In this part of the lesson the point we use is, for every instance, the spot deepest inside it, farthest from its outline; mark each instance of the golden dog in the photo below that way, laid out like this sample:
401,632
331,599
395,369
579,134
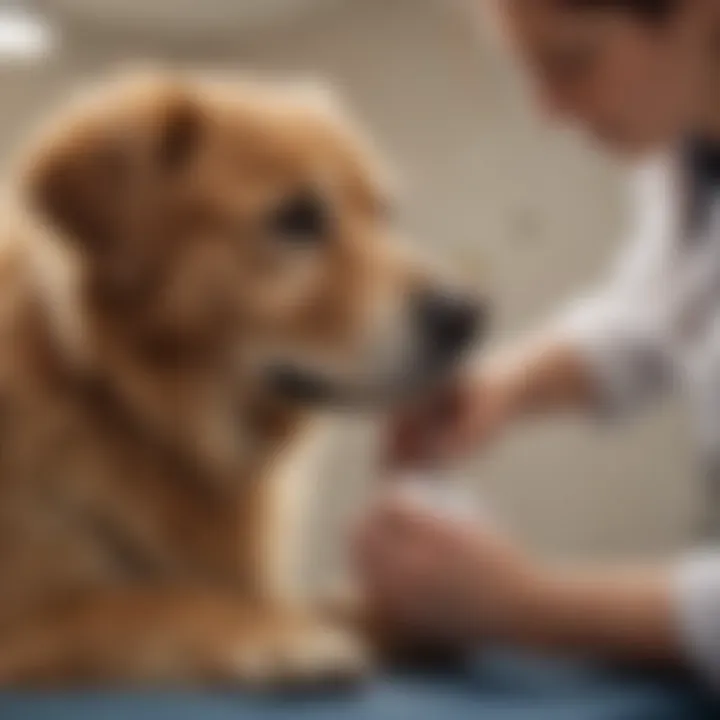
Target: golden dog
188,265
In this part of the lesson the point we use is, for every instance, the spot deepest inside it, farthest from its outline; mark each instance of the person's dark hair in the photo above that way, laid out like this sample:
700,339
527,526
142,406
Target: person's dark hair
650,10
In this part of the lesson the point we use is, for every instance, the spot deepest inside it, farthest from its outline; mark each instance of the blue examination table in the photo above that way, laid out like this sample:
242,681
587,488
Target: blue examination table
498,686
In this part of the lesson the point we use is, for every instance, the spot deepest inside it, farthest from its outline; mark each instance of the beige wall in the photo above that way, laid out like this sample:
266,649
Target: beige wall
492,191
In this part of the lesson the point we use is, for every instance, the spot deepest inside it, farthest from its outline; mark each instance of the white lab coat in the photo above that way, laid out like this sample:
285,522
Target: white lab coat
653,326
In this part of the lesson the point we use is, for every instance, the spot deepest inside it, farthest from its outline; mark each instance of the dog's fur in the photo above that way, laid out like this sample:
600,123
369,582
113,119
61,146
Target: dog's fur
142,298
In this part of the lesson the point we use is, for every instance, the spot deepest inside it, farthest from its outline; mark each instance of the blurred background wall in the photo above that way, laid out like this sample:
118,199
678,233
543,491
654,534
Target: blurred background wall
529,211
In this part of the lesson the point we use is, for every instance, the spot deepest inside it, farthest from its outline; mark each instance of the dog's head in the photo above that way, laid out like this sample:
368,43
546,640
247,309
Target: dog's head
245,225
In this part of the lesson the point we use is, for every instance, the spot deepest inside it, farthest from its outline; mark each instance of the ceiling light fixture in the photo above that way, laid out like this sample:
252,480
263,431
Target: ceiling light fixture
25,35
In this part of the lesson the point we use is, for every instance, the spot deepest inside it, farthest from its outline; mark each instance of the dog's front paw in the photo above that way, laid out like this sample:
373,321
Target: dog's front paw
291,654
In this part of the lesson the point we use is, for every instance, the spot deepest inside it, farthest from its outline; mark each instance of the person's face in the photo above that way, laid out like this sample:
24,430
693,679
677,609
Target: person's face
632,84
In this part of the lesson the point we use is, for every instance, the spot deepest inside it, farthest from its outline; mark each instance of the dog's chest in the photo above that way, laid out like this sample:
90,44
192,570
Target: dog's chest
86,503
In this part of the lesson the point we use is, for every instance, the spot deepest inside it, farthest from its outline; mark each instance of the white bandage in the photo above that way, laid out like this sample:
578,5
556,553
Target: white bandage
443,496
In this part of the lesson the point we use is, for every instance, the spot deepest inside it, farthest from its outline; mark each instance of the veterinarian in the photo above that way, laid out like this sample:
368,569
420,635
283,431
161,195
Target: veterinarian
642,78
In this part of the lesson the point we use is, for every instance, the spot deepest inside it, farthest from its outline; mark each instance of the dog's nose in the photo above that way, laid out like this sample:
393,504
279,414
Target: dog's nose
450,322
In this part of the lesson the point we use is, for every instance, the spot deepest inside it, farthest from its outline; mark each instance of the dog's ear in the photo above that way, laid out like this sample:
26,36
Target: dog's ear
181,126
77,182
88,179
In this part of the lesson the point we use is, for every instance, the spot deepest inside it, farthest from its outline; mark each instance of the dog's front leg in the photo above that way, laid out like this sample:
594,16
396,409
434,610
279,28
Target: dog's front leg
278,510
172,636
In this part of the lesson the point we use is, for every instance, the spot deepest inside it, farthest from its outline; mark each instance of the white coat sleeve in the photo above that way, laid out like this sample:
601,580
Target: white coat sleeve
615,328
697,600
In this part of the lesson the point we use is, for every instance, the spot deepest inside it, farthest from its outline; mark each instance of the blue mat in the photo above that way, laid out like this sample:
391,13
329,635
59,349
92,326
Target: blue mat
501,687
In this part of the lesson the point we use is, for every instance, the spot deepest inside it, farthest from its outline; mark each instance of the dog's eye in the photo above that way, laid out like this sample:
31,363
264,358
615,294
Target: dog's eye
303,218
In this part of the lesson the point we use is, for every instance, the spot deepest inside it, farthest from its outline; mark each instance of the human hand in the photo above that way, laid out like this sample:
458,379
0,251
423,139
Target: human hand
442,579
455,583
453,421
